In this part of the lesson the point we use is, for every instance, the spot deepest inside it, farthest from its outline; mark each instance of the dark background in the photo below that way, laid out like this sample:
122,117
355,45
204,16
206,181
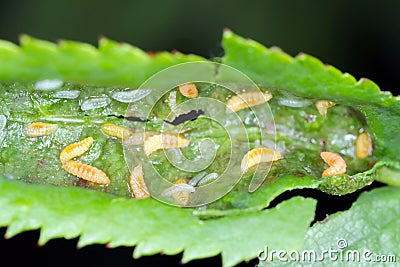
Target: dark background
359,37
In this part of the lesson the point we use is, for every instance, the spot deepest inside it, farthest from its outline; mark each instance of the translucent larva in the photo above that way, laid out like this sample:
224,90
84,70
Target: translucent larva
164,141
323,105
294,103
209,177
336,163
136,138
257,156
37,129
130,96
94,103
86,172
245,100
137,184
47,85
195,180
189,90
116,131
76,149
67,94
178,187
180,192
363,145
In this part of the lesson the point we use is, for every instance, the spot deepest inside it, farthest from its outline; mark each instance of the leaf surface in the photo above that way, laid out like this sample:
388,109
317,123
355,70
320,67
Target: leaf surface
153,227
233,224
368,230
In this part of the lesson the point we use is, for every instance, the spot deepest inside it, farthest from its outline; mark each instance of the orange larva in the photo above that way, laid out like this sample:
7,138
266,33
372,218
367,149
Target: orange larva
363,145
189,90
115,130
86,172
137,184
257,156
164,141
245,100
181,197
336,163
76,149
323,105
37,129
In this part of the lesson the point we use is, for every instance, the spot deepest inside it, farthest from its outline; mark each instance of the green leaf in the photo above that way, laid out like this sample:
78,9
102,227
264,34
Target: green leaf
111,64
306,76
99,218
370,225
150,225
303,75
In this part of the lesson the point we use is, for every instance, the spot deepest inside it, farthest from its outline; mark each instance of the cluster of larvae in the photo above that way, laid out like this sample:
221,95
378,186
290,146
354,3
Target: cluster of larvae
154,142
336,163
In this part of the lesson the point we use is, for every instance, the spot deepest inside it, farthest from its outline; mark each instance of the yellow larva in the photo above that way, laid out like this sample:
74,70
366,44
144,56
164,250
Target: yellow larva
363,145
37,129
257,156
76,149
136,138
115,130
164,141
245,100
323,105
181,197
86,172
336,163
137,184
189,90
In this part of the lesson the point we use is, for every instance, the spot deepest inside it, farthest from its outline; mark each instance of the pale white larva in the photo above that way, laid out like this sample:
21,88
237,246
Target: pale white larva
67,94
209,177
178,188
48,85
94,103
130,96
195,180
180,192
294,103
